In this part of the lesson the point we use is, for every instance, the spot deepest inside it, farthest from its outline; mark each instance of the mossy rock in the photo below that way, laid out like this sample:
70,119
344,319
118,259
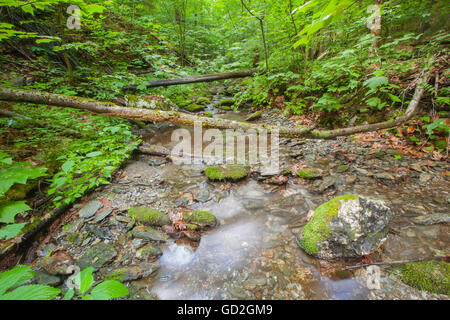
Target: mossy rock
225,102
254,116
347,226
195,108
183,103
431,276
148,216
203,101
200,218
208,114
149,252
318,228
310,173
226,173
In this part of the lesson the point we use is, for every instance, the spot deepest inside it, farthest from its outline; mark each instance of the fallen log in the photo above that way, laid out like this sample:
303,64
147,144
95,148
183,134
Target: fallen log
179,118
195,79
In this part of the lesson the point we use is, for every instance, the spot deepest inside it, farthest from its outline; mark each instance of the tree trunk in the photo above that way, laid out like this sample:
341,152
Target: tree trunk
196,79
179,118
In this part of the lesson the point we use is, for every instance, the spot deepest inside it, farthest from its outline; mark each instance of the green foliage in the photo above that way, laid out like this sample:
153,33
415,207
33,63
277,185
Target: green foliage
12,286
105,290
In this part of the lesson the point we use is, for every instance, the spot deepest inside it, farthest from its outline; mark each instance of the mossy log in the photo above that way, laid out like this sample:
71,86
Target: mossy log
179,118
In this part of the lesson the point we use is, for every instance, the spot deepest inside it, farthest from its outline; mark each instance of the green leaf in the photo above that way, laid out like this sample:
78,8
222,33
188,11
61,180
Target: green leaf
69,294
32,292
86,280
18,174
108,290
12,230
15,277
94,154
374,82
10,210
68,165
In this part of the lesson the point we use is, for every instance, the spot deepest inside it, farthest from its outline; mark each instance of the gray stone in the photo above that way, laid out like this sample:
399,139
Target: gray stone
149,234
97,256
357,227
42,277
431,219
90,209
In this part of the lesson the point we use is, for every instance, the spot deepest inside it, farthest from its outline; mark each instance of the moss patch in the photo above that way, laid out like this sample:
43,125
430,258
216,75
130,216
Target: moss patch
431,276
310,173
228,172
195,108
203,101
148,216
202,218
318,228
225,102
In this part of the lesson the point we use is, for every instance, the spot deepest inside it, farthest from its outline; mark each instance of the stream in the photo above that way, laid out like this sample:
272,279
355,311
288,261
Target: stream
253,252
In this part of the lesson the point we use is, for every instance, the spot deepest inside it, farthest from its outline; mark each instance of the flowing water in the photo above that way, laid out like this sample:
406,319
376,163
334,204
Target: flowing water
253,253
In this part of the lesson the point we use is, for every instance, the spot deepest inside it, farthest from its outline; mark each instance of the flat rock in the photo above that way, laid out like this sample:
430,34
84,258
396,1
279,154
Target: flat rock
90,209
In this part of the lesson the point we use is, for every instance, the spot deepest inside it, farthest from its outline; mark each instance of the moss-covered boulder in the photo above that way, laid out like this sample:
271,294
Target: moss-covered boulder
152,103
310,173
200,218
148,216
203,101
431,276
195,108
225,102
346,226
226,173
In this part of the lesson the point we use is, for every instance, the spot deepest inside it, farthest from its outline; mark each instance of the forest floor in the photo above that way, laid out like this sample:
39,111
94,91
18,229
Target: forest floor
253,253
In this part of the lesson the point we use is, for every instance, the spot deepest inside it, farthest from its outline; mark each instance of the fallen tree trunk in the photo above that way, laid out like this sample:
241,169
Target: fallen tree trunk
196,79
179,118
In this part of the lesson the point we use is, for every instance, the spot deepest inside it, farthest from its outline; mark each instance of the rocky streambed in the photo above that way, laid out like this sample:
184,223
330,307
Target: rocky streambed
246,247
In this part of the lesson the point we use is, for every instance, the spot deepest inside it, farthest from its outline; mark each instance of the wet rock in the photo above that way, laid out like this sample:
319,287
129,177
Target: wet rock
148,252
432,219
134,272
97,256
90,209
140,291
225,102
254,116
57,263
193,236
226,173
201,218
431,276
157,162
346,226
42,277
146,233
203,196
310,173
148,216
321,186
102,215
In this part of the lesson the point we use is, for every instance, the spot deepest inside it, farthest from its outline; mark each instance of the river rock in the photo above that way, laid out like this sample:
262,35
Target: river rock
90,209
145,233
134,272
97,256
432,219
148,216
57,263
346,226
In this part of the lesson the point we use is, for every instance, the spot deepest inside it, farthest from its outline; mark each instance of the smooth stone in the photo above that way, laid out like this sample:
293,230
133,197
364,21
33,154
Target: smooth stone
90,209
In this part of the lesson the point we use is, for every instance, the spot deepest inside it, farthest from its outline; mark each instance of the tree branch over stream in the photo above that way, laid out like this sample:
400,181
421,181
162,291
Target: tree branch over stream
180,118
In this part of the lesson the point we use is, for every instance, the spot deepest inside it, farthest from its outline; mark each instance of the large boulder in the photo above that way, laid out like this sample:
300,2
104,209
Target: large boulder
346,226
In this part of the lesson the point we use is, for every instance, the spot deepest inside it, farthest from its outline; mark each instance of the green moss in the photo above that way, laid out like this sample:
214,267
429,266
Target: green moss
432,276
203,101
208,114
73,237
318,228
192,227
225,102
148,216
254,116
119,275
224,173
202,218
311,173
195,108
342,168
